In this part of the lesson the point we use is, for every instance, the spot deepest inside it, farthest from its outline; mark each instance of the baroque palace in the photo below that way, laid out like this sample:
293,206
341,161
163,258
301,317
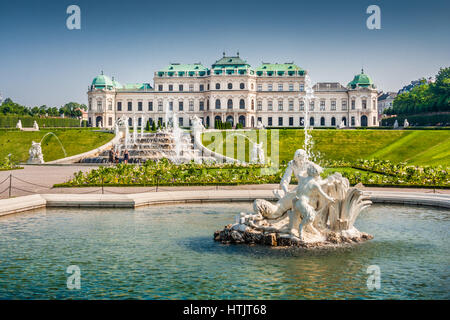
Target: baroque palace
231,90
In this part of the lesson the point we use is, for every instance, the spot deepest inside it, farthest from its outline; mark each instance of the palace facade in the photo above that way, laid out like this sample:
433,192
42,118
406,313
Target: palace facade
231,90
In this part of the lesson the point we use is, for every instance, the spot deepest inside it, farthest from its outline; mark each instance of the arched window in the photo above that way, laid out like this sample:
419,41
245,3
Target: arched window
217,103
217,86
322,121
242,104
333,121
344,119
311,121
207,121
230,86
242,120
364,121
230,120
242,85
230,104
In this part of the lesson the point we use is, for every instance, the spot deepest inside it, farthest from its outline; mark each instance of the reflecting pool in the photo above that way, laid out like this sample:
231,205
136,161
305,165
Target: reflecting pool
168,252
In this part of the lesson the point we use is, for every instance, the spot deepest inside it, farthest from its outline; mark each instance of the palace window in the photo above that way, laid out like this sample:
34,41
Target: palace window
217,86
311,121
139,105
252,86
374,121
180,106
322,121
280,87
150,106
269,121
202,87
119,106
353,104
302,105
259,87
344,105
291,87
217,103
90,105
230,86
291,121
201,105
269,105
160,105
230,104
259,105
280,105
291,105
171,105
180,121
207,105
311,105
301,121
364,104
109,121
160,87
242,86
280,121
322,105
302,87
99,105
130,106
191,105
333,105
191,87
269,87
374,105
259,119
180,87
109,104
253,104
333,121
170,87
353,121
242,104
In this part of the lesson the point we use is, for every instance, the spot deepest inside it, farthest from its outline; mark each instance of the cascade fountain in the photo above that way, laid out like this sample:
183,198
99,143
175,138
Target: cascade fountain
170,142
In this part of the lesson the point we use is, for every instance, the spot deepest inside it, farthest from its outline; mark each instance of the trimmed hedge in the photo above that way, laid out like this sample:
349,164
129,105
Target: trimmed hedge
439,119
27,122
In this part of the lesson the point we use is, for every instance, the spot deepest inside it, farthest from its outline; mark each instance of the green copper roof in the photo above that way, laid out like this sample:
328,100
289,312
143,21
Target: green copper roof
176,67
278,67
102,81
361,80
232,62
136,86
116,84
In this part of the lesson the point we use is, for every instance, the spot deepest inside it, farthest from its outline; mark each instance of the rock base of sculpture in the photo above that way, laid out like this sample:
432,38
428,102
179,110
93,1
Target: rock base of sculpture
238,234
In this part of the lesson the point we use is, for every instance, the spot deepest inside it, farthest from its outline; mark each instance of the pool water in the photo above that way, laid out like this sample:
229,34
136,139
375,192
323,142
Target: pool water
168,252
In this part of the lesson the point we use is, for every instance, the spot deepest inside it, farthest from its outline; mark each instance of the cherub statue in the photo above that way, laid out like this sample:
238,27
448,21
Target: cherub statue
307,191
35,153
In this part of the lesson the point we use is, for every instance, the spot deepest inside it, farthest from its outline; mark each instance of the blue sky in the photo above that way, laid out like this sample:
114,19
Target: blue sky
42,62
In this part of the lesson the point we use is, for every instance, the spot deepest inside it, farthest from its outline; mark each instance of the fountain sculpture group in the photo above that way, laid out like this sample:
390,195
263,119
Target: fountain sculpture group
317,212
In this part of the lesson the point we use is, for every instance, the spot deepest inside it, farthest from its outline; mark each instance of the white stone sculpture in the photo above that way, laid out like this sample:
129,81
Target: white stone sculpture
35,126
342,125
405,123
19,124
395,124
318,212
259,125
257,155
197,125
36,156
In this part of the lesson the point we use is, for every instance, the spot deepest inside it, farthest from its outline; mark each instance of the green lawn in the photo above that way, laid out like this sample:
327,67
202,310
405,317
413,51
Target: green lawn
75,141
420,147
